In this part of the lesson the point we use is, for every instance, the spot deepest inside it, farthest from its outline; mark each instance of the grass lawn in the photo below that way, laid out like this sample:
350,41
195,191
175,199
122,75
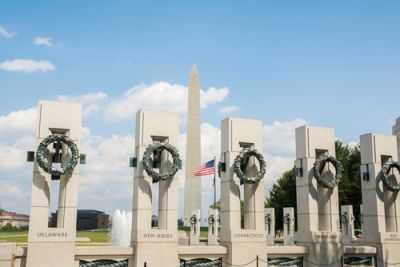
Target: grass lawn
14,237
95,237
203,230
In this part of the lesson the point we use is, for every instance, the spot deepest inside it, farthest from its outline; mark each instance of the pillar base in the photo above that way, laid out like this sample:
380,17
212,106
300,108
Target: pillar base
324,248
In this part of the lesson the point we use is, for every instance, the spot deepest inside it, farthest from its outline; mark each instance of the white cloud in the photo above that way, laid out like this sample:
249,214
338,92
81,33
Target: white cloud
91,102
161,96
6,33
212,96
43,41
12,157
27,65
11,191
107,159
229,109
279,137
17,123
210,142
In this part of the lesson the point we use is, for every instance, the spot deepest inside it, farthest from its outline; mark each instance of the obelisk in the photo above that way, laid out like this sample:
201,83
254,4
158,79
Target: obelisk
193,150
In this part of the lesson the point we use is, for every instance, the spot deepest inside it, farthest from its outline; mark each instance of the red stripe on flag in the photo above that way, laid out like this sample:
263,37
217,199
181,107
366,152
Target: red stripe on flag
205,169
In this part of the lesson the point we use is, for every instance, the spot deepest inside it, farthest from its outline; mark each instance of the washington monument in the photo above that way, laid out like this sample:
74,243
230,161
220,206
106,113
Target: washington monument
193,150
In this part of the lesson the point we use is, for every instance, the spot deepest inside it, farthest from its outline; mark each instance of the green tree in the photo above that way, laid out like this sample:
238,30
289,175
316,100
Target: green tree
282,194
350,184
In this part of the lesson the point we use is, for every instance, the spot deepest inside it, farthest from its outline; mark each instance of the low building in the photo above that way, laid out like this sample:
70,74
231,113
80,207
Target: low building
87,220
14,219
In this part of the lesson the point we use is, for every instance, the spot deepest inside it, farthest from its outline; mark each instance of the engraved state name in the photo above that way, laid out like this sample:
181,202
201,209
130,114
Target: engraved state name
248,235
392,237
51,234
157,235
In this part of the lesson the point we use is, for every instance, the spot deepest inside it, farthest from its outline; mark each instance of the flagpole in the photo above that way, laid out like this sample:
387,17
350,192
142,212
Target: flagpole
215,190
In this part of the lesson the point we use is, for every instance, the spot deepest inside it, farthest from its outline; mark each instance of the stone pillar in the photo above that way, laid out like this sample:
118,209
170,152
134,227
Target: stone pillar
362,218
396,132
269,220
288,226
152,127
7,254
347,223
380,206
195,221
244,244
317,207
213,224
48,247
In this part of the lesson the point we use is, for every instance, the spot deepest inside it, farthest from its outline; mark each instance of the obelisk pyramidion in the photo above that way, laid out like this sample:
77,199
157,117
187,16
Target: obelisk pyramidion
193,150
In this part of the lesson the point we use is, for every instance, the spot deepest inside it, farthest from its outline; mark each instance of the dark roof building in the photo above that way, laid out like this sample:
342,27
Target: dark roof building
87,220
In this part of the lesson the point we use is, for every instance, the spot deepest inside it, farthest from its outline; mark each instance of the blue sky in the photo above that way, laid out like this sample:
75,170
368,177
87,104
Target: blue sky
328,63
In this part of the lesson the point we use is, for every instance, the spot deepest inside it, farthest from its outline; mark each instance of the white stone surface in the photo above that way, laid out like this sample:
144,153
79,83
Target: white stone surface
380,206
244,244
54,244
213,228
194,237
317,207
288,228
269,214
153,126
347,223
193,147
396,132
7,254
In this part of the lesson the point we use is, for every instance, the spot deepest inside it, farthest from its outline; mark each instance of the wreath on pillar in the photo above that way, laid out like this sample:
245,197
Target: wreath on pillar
240,164
267,219
319,166
193,220
157,148
43,162
211,220
344,218
385,175
286,219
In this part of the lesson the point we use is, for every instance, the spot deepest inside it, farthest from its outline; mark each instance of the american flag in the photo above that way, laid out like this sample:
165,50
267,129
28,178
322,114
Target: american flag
205,169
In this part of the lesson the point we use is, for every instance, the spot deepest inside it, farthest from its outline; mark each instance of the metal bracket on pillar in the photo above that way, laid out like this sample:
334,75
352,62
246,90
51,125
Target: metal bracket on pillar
298,172
82,159
133,162
221,167
30,156
180,164
365,175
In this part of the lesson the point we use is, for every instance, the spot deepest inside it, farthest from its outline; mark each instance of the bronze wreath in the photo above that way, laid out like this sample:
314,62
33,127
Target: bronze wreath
267,219
385,175
344,218
193,220
211,220
242,159
286,219
148,166
42,159
319,166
